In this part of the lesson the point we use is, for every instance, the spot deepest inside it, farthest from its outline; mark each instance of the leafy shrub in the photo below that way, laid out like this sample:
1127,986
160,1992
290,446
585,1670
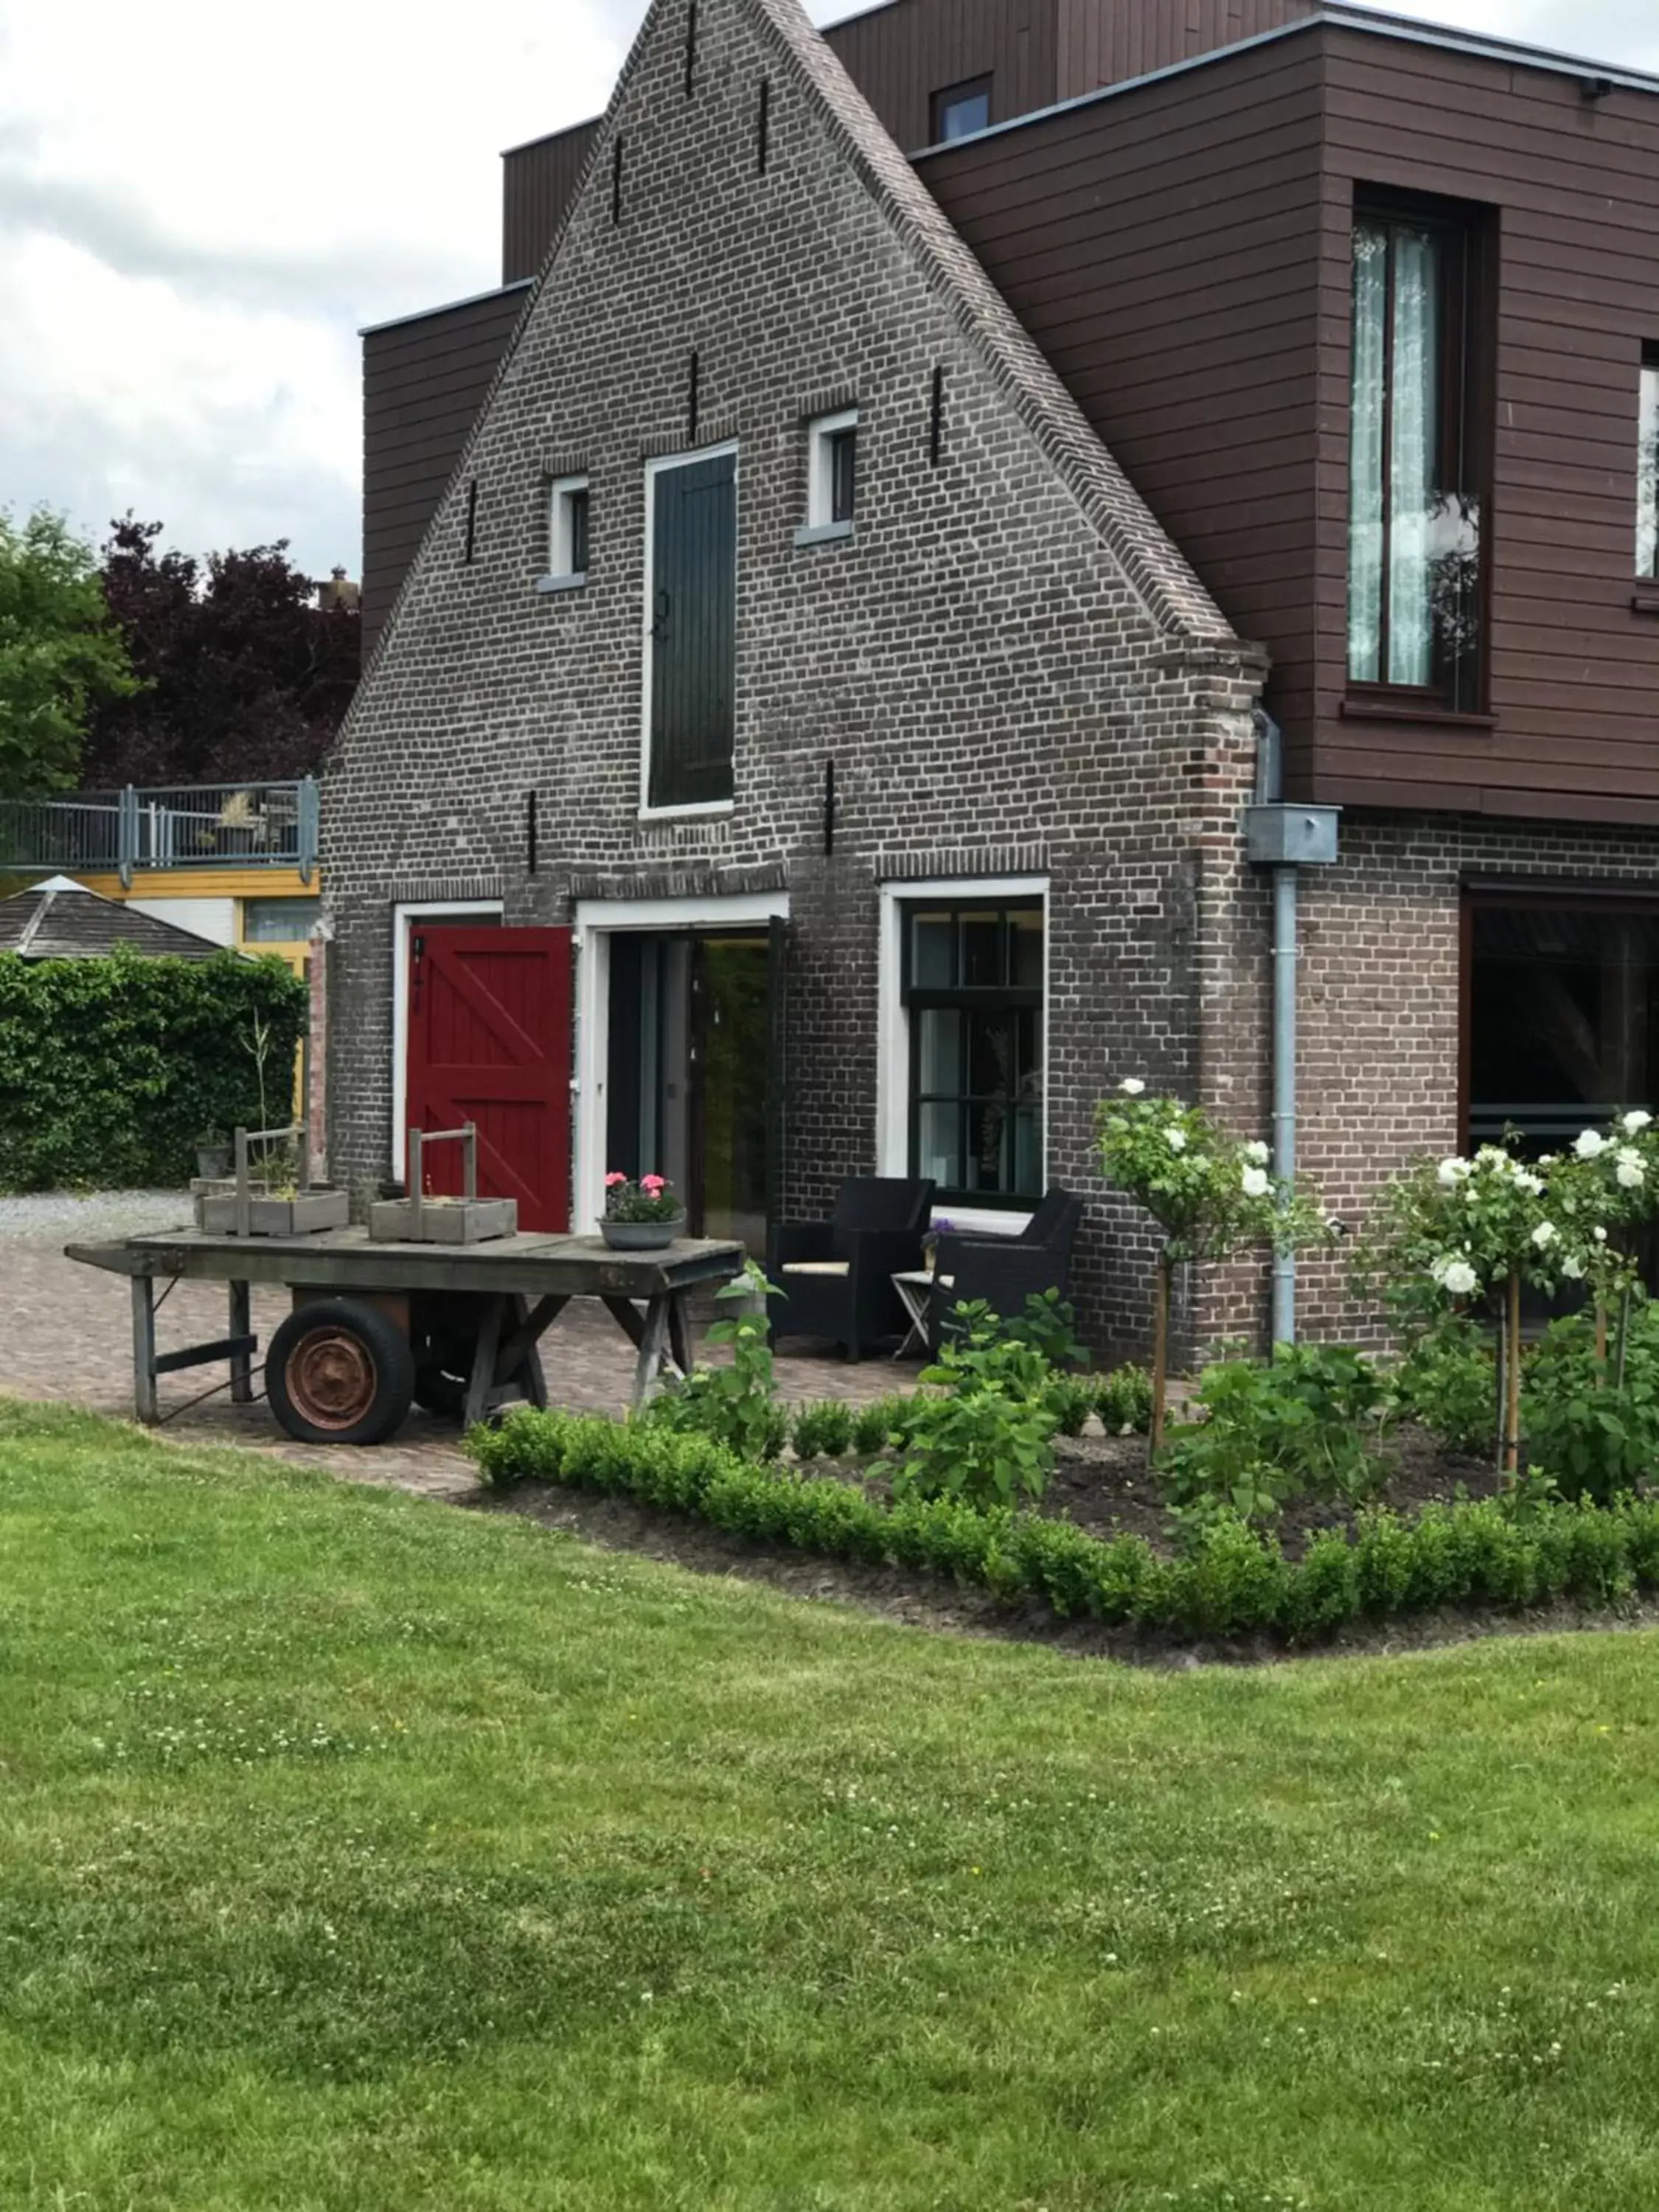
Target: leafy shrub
823,1431
1297,1426
883,1423
1123,1400
1049,1326
1072,1402
736,1405
986,1436
1448,1380
110,1067
1596,1434
1232,1581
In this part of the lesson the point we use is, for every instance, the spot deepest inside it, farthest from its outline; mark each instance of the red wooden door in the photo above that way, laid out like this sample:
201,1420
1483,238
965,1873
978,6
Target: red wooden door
489,1035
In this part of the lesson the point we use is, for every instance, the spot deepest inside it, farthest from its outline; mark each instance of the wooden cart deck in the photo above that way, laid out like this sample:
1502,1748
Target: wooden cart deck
513,1287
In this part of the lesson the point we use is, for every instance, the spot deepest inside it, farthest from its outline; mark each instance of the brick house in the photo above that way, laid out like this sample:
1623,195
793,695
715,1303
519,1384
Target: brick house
848,600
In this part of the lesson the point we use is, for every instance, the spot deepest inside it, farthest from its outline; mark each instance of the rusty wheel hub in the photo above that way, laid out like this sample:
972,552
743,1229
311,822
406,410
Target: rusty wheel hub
331,1378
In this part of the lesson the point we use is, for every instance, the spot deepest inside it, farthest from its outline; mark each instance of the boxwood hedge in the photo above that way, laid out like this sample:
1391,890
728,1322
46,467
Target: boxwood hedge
1235,1582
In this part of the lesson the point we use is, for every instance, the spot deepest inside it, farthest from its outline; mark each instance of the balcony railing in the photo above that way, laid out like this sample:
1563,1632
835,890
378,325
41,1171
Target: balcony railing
204,825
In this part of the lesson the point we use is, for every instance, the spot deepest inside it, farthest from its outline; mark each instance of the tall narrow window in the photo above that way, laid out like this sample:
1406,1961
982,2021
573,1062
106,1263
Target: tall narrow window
691,644
1647,467
962,109
1415,617
973,992
832,448
566,530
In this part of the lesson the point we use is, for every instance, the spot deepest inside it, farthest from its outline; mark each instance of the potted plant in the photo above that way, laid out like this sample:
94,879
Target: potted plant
643,1215
213,1156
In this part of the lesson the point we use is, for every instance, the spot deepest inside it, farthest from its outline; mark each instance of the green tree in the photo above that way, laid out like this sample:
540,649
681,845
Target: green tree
60,656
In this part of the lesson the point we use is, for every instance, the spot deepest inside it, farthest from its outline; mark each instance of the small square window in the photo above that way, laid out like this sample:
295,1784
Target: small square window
567,530
832,449
962,109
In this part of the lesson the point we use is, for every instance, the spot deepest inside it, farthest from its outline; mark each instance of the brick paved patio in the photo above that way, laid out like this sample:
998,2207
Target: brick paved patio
65,1335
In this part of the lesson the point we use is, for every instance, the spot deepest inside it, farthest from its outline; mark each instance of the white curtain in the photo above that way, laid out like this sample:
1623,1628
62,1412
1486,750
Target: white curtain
1371,297
1414,414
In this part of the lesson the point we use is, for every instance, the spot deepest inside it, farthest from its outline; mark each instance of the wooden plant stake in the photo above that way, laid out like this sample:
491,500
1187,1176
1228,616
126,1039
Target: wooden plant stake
1512,1375
1160,1356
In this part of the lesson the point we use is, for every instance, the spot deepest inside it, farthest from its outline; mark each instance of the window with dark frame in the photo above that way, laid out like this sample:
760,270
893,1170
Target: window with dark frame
844,459
1647,467
972,988
691,631
578,526
961,109
1416,610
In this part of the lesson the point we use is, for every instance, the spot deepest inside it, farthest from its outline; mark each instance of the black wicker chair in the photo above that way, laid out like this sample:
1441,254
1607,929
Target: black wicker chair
837,1276
1005,1271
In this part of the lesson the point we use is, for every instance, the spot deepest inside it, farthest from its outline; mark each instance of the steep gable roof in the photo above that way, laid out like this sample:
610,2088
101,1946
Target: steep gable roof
1174,600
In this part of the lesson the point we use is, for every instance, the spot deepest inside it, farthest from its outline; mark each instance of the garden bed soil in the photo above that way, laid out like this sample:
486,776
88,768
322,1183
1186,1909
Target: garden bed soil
1101,1484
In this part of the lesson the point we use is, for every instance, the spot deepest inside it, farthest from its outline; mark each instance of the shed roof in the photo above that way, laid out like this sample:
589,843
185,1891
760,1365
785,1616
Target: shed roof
62,919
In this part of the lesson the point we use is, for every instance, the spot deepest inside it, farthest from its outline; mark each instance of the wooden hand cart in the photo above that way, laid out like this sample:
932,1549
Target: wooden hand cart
376,1327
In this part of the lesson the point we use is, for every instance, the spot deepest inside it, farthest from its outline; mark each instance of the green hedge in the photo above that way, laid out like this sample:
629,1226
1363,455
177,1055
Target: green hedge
110,1069
1235,1582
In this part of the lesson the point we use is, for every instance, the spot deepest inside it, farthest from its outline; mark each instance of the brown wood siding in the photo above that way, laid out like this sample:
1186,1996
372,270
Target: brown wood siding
424,382
900,56
1574,667
1110,41
538,184
1162,247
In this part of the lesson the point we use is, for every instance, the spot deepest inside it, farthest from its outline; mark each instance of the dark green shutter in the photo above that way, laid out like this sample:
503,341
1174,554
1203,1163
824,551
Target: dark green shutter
694,632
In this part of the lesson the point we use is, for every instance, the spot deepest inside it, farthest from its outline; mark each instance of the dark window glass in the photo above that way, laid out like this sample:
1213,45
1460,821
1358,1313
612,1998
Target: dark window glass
1415,617
693,641
1563,1016
578,533
843,474
973,987
962,109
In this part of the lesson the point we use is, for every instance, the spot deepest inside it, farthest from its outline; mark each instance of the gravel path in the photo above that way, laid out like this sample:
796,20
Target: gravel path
63,1217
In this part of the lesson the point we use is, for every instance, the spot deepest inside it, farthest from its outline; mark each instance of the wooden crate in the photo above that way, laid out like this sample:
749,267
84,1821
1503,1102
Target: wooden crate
442,1220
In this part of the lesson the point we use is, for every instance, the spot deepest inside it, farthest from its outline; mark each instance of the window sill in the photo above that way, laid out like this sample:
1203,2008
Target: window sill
684,813
1644,599
1389,710
824,533
550,584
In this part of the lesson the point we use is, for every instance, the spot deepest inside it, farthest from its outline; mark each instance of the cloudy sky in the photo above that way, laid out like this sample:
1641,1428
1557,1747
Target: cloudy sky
201,203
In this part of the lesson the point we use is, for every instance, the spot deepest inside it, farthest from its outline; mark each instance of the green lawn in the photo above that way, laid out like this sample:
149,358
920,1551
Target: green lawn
360,1853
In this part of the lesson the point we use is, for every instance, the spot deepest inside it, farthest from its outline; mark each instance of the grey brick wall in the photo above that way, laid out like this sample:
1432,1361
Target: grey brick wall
1007,655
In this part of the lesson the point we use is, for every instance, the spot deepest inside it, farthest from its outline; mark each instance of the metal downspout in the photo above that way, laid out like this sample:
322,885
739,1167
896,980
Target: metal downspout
1285,958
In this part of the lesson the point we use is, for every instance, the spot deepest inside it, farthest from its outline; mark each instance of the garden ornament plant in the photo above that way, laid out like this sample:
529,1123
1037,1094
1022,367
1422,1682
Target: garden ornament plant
652,1198
736,1404
1211,1194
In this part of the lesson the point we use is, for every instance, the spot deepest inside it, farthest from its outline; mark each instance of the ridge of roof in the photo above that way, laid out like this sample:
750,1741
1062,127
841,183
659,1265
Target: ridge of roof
1167,585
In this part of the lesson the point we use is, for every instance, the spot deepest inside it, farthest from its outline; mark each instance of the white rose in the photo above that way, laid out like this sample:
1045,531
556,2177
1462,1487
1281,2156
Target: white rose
1451,1171
1177,1140
1636,1121
1545,1234
1547,1160
1459,1278
1572,1266
1590,1142
1600,1234
1256,1154
1132,1086
1255,1182
1531,1184
1628,1174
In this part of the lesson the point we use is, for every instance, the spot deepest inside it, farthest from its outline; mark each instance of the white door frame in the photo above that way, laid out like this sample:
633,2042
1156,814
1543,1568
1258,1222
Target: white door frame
597,921
440,911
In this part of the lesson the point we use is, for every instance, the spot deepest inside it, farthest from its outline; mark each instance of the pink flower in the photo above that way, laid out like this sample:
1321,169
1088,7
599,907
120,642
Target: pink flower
615,1177
652,1183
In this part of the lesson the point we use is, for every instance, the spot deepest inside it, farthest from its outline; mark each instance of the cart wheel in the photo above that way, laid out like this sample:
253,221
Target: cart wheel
339,1372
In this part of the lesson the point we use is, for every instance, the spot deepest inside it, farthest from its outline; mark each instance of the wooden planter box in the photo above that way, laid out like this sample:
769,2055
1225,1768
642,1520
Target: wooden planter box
306,1215
443,1220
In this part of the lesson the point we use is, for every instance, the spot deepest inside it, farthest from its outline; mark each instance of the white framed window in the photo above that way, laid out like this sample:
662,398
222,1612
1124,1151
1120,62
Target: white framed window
962,1067
832,477
566,533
